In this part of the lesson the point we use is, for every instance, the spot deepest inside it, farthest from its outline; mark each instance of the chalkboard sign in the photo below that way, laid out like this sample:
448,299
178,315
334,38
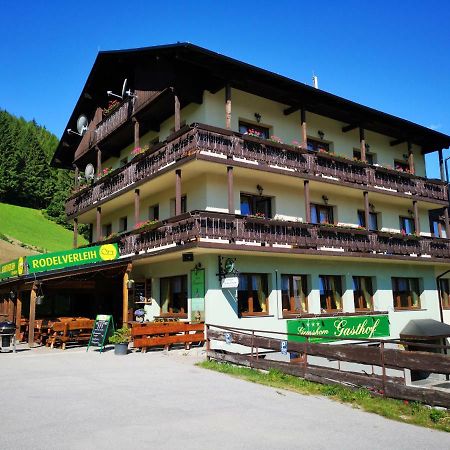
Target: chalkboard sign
142,291
103,327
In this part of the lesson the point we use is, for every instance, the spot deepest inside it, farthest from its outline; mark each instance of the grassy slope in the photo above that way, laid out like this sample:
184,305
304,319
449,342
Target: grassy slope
32,228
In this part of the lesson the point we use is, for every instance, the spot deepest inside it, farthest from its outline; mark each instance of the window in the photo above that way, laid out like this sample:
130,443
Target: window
107,230
370,157
172,205
438,228
123,224
153,212
444,285
373,220
401,165
254,130
252,205
253,294
293,294
174,295
406,293
407,225
123,161
316,145
321,214
363,293
330,293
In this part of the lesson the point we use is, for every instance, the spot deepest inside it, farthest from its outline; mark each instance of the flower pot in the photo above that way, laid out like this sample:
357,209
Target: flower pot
121,349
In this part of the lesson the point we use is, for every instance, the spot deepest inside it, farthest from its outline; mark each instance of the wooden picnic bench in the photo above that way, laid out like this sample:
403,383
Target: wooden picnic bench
164,334
76,331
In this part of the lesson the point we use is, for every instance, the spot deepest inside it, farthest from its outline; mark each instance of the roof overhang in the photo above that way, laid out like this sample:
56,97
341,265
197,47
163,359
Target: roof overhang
425,329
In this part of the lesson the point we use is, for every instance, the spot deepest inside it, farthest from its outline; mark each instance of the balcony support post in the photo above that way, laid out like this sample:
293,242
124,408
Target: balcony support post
410,159
136,132
367,210
416,217
303,125
75,232
441,165
126,277
230,190
99,161
137,205
32,315
178,192
77,174
99,224
228,106
177,113
447,224
307,202
362,140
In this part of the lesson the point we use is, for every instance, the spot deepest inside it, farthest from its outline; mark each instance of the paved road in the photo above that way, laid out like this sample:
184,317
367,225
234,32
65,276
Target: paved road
78,400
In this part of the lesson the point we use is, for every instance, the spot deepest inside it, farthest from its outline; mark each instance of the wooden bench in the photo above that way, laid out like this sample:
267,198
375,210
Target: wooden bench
73,331
164,334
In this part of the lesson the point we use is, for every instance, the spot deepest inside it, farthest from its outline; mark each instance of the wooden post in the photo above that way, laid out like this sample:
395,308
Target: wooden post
366,210
137,206
18,313
136,133
32,316
178,192
77,174
177,113
99,224
99,161
362,140
126,277
303,125
307,202
416,217
75,232
410,159
228,106
447,224
230,190
10,310
441,165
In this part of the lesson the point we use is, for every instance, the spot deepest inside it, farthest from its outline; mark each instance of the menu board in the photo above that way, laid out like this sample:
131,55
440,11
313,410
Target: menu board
142,291
103,327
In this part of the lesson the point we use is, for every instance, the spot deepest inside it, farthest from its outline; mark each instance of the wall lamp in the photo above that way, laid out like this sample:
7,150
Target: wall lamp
130,284
325,199
260,189
321,134
372,207
258,117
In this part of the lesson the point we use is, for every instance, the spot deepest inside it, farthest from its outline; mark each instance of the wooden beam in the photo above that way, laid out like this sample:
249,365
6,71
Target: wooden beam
99,161
32,316
228,106
177,113
99,224
290,110
76,174
230,186
75,232
349,127
411,159
136,133
126,277
447,224
366,210
137,204
307,202
397,142
178,192
441,165
304,130
362,140
416,217
18,313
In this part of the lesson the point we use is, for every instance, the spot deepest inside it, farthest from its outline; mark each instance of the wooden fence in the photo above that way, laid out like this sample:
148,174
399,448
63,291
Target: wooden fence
368,352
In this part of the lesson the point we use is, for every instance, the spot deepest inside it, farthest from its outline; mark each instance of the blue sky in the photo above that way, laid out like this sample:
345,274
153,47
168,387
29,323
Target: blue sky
393,56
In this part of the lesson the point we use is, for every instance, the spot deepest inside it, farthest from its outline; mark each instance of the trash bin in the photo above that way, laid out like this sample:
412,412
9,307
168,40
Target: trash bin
7,336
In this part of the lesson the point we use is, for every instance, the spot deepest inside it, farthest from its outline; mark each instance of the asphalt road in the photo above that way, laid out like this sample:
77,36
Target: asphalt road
78,400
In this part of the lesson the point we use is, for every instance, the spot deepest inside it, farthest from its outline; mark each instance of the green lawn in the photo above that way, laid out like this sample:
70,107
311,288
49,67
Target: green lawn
30,227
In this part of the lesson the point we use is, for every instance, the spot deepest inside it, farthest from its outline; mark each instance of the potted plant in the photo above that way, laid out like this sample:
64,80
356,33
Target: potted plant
121,338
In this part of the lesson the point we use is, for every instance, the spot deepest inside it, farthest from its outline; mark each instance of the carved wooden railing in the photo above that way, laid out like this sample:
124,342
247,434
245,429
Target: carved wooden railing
271,234
204,140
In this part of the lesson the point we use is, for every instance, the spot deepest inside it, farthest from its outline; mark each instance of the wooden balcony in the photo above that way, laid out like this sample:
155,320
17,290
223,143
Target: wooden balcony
235,232
224,146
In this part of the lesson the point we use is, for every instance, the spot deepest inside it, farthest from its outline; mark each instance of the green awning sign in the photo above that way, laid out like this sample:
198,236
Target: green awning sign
71,258
347,327
12,269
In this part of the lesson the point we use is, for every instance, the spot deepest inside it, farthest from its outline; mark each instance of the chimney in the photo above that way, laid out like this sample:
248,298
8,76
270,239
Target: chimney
315,81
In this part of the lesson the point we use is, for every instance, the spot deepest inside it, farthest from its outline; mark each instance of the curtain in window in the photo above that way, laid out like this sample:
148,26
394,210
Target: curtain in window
336,294
366,289
165,295
261,294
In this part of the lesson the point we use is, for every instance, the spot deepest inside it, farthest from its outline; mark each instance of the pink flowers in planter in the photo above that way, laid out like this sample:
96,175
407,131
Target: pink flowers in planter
105,171
145,223
137,151
276,139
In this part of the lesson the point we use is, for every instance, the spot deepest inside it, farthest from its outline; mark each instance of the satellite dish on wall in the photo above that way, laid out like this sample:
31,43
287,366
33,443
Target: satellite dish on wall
89,172
124,88
82,124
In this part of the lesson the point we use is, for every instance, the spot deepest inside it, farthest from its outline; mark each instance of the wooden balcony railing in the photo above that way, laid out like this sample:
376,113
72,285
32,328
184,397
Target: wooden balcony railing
243,231
205,141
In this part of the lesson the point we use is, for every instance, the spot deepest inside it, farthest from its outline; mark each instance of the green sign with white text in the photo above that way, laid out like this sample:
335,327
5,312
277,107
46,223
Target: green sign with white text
71,258
348,327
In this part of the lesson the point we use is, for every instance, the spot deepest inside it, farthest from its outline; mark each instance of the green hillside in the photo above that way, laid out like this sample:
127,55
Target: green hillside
30,227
